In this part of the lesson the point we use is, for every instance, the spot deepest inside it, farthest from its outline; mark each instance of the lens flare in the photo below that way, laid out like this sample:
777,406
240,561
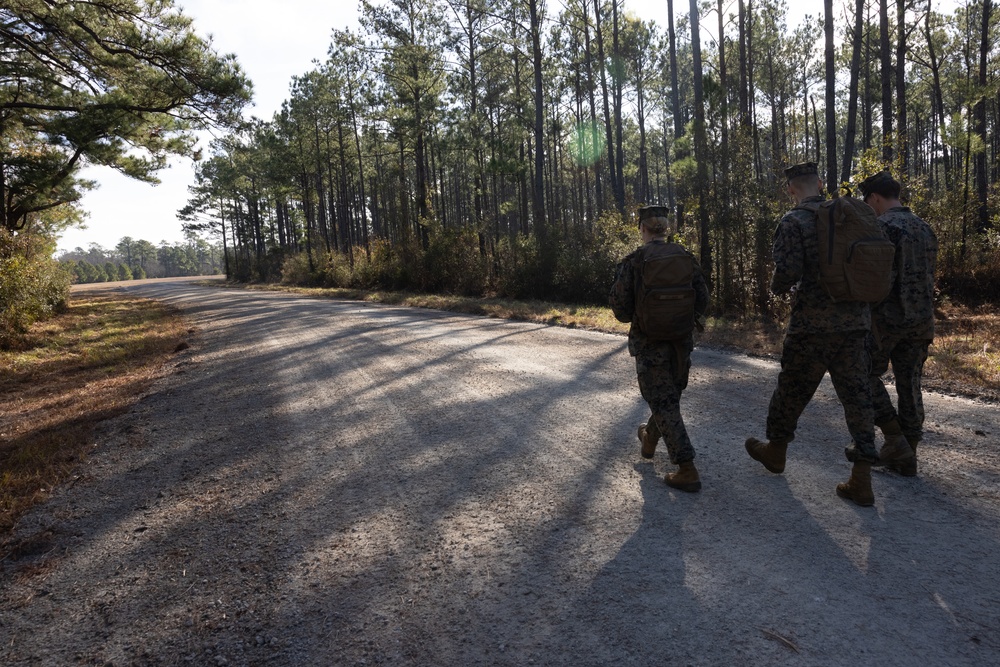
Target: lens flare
586,144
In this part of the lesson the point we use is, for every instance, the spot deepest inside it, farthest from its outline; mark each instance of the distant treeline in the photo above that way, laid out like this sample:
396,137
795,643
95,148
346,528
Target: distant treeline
133,259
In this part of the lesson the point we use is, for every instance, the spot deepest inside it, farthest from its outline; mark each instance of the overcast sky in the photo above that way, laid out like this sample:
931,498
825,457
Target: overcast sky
273,41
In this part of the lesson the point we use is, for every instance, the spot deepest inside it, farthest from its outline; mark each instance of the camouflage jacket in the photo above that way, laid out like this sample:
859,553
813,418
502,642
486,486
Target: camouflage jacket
796,270
622,300
909,309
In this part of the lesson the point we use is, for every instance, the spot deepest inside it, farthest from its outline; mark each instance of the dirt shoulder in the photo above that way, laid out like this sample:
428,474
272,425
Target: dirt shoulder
334,482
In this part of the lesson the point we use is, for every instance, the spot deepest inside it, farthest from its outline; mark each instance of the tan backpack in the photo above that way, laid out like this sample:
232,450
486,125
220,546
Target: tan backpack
665,295
855,257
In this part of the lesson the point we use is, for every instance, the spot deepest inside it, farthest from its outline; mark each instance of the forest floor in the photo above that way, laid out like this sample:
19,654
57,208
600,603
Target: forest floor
330,482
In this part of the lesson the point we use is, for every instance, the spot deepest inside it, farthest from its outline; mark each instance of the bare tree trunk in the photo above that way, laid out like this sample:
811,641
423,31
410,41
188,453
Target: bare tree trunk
598,185
744,93
617,88
831,112
901,124
852,97
675,99
867,112
700,147
643,163
607,110
884,50
538,205
979,114
724,82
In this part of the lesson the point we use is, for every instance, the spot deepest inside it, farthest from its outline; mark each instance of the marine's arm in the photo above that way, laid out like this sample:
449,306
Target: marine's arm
789,255
622,298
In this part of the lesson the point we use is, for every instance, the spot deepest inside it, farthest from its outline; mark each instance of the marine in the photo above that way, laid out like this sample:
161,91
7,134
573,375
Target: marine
662,366
902,324
822,336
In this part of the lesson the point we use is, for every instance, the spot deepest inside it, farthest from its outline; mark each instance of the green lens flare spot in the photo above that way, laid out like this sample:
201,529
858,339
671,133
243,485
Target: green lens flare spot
586,144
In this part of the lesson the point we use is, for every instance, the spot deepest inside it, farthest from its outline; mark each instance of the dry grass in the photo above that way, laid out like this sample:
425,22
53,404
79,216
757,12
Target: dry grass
965,355
84,366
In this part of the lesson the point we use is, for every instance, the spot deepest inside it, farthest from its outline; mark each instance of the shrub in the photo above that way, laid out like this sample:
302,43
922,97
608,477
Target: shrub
295,270
519,273
32,285
452,263
336,269
586,263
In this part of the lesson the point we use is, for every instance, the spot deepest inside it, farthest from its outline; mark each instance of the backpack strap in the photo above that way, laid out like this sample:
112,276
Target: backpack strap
814,208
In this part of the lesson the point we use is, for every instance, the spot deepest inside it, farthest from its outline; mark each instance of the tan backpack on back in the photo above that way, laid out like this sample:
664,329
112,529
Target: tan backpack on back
855,257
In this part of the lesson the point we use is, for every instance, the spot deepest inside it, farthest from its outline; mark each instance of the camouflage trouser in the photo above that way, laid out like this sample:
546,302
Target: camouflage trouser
663,375
907,357
805,358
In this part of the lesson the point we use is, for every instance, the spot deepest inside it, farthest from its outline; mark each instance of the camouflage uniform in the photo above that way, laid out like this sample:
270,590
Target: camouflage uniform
903,324
661,366
821,336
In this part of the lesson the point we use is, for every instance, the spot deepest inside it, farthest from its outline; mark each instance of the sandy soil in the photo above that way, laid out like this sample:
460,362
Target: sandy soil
340,483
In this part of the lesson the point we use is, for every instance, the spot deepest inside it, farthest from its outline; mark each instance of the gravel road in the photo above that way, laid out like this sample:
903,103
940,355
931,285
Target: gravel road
320,482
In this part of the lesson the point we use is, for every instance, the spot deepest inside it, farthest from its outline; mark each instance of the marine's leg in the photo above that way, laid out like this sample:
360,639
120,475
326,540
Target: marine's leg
895,453
803,364
659,388
849,372
801,372
880,350
908,366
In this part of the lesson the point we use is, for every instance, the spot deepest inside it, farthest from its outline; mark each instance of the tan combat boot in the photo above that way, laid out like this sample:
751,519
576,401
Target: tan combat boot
859,487
648,443
771,454
685,479
896,454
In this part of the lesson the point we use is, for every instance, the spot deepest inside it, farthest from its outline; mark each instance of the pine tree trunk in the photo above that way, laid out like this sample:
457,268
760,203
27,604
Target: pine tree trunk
607,111
979,114
886,59
675,101
901,123
831,112
538,189
852,97
617,88
700,148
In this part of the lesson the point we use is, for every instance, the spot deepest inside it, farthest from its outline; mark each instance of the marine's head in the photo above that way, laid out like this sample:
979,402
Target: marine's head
880,191
882,184
655,219
802,180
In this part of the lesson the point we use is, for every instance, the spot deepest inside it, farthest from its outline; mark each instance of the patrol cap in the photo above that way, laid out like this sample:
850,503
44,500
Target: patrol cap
655,218
801,169
881,183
